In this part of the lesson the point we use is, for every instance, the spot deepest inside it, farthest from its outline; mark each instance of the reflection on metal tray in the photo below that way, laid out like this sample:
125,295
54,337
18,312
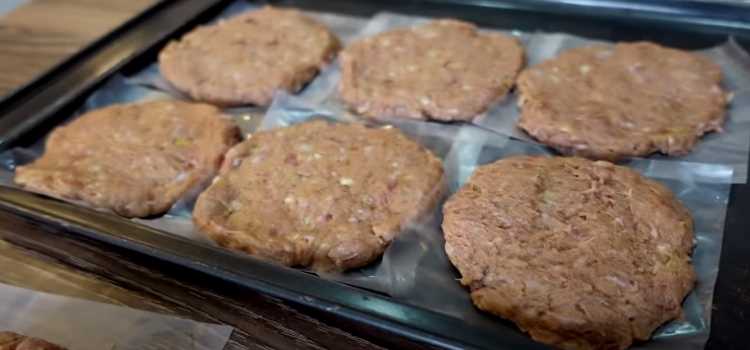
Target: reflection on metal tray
27,115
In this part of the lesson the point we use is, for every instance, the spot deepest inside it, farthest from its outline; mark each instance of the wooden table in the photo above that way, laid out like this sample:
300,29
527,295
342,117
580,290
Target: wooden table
35,37
40,34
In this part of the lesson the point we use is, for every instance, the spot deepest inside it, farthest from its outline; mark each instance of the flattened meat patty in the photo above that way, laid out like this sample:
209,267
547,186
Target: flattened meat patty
330,197
579,254
443,70
134,159
15,341
248,58
627,101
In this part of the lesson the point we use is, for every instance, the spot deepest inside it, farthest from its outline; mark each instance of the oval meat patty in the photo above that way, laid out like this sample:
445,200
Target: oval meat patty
330,197
134,159
247,59
444,70
629,100
579,254
15,341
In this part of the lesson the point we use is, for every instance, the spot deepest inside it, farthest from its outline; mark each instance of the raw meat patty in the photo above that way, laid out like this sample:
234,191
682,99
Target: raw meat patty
330,197
444,70
579,254
248,58
134,159
629,100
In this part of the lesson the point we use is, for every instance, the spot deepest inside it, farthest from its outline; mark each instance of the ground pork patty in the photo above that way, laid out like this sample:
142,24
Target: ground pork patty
330,197
134,159
443,70
15,341
247,59
629,100
579,254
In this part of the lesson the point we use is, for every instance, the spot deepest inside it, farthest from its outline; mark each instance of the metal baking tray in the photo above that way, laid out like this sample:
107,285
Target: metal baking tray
29,113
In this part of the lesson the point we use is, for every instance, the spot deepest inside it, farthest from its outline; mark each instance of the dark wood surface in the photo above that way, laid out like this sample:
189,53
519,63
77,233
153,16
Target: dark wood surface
35,37
42,33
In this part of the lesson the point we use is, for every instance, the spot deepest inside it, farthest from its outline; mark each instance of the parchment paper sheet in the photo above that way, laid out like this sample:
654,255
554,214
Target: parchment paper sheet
86,325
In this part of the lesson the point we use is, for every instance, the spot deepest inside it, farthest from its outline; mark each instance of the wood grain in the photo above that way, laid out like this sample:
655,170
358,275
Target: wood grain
35,37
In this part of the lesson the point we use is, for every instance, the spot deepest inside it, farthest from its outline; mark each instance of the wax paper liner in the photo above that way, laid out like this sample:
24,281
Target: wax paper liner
86,325
730,147
700,188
